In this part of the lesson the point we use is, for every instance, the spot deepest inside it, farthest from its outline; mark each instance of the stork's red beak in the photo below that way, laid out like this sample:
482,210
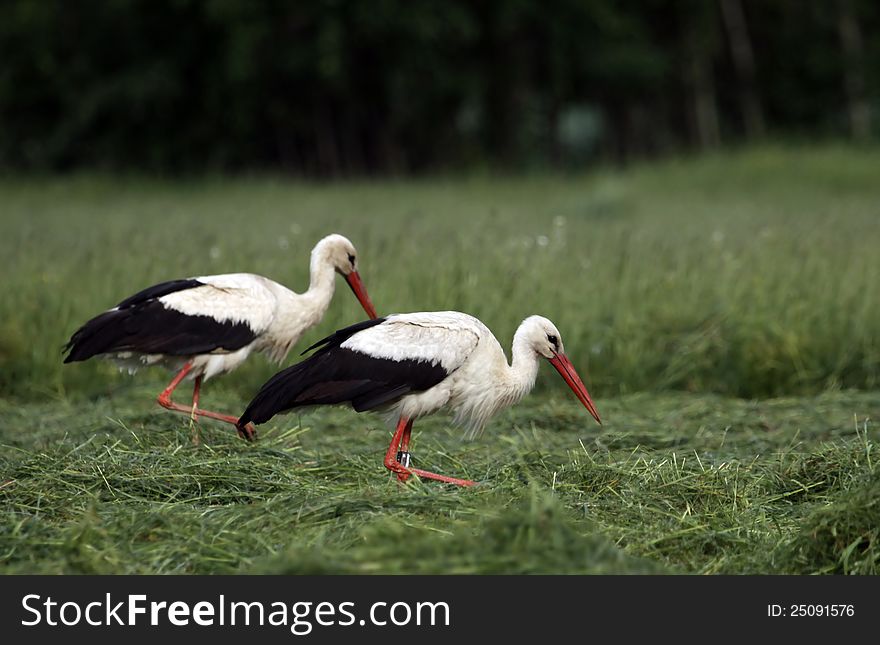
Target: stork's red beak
357,286
566,369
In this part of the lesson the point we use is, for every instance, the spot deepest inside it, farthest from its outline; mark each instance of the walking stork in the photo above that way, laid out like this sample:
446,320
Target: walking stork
209,325
412,365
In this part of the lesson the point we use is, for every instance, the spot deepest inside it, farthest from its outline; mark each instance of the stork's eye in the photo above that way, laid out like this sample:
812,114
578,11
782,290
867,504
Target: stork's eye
553,340
351,259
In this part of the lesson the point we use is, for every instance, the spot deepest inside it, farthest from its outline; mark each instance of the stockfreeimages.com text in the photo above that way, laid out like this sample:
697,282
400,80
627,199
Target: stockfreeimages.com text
300,617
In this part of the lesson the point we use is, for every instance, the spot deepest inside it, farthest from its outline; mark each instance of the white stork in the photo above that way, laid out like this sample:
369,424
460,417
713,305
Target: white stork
412,365
209,325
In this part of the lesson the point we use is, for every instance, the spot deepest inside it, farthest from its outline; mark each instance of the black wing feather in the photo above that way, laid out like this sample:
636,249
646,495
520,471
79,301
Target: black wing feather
142,324
159,290
341,335
339,375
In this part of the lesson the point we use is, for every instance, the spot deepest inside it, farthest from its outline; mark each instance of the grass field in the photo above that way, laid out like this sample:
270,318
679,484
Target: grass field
723,311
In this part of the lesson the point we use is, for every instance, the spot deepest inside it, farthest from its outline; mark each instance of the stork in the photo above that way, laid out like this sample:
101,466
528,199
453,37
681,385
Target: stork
412,365
209,325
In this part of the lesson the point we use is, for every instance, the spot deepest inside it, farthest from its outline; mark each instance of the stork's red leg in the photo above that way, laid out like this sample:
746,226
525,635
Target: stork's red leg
245,432
403,456
399,449
404,441
165,398
391,457
424,474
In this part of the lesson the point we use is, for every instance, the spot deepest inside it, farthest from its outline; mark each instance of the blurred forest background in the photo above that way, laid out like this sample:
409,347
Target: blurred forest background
326,88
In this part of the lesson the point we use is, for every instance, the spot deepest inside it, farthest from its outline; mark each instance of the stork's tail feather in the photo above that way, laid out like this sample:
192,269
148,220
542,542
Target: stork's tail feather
333,376
97,336
276,395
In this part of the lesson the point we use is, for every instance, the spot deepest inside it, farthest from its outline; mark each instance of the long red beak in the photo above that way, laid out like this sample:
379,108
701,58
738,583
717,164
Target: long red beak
566,369
357,286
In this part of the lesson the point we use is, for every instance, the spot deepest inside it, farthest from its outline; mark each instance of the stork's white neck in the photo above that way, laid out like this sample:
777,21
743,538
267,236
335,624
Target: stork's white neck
523,368
509,384
322,282
517,379
297,313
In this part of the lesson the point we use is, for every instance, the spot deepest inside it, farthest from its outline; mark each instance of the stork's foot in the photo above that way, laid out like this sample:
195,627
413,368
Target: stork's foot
398,458
424,474
401,467
247,431
195,412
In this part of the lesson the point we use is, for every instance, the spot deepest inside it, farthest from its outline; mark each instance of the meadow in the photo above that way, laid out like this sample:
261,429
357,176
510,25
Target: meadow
722,311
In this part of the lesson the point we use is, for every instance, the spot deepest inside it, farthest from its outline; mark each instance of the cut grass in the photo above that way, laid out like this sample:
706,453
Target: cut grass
842,537
672,483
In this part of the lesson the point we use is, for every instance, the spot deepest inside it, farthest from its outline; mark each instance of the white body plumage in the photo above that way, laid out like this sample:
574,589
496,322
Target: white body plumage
480,382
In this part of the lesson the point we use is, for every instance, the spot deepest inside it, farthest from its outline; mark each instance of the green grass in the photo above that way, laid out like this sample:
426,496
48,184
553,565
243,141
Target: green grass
750,275
673,483
723,311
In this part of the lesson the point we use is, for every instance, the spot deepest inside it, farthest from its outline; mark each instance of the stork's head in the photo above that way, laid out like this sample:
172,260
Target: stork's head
542,336
338,251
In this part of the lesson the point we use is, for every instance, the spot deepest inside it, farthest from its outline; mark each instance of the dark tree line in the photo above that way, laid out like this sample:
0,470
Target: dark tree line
329,87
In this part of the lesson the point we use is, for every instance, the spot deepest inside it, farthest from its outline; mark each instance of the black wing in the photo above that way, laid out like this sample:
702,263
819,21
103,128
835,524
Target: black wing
142,324
341,335
159,290
339,375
